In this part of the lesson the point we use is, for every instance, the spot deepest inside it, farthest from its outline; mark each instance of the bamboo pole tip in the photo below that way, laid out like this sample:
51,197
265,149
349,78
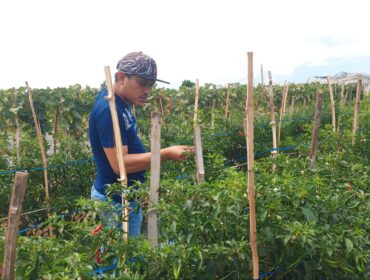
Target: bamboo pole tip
22,172
122,179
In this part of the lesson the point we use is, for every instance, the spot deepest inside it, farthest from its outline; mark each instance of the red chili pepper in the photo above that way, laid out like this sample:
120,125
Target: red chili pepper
98,252
96,230
98,259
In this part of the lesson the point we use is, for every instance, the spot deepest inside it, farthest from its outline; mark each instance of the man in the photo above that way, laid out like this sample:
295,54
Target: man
134,79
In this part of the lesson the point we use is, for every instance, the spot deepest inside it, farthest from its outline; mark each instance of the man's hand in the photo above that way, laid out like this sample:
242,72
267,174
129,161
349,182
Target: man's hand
179,152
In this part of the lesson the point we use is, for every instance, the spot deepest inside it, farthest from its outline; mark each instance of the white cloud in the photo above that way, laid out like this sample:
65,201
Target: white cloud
50,43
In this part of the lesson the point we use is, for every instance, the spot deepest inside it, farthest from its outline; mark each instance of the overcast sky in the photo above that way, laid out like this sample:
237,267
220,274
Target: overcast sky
61,43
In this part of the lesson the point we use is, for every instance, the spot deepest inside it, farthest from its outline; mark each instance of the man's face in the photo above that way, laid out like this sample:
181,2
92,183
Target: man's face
134,90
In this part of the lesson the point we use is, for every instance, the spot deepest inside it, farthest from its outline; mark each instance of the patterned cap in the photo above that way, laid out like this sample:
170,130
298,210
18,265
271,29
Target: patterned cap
139,64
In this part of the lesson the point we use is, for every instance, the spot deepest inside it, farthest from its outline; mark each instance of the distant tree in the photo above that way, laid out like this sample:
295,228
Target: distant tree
187,84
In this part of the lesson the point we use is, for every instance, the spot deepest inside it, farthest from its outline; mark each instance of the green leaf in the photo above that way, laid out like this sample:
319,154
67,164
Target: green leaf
349,244
263,215
286,239
310,216
188,237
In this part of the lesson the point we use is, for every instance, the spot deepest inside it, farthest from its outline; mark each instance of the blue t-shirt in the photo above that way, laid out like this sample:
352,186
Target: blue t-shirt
101,136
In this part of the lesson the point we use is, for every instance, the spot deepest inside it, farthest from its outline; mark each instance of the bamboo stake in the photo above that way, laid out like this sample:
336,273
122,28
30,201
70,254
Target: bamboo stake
197,139
230,111
332,105
292,106
250,155
345,97
285,98
155,166
281,113
273,122
363,88
199,154
17,130
282,109
342,96
161,104
15,210
43,154
339,128
263,86
168,107
196,102
213,114
315,129
162,111
355,115
340,136
246,102
55,130
119,151
227,101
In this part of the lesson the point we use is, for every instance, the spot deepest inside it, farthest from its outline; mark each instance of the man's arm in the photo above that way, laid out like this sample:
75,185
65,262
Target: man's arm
139,162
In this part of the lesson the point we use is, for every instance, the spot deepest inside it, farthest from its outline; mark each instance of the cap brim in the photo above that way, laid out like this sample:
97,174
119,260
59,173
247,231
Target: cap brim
158,80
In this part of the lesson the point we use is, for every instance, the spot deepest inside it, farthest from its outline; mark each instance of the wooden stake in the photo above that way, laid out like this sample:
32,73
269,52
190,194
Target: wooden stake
155,167
118,140
355,115
332,105
15,210
273,122
315,129
43,154
227,101
250,156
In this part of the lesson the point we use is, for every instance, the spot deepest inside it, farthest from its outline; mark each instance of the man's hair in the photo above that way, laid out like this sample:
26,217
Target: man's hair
119,75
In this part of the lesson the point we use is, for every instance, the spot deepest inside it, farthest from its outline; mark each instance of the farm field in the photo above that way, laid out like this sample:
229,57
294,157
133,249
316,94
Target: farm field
313,221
